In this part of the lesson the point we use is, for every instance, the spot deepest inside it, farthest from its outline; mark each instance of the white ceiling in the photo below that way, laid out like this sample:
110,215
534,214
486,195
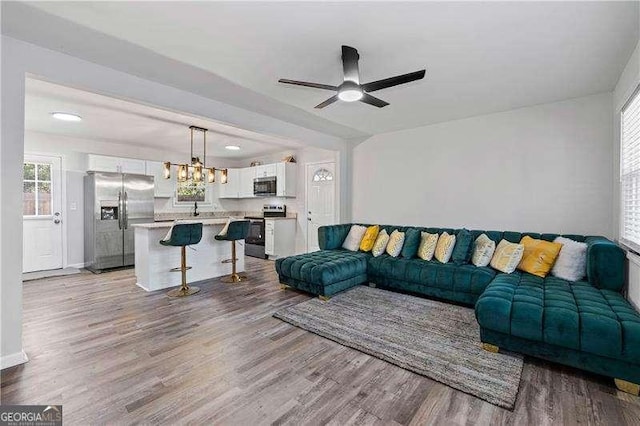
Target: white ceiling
480,57
118,121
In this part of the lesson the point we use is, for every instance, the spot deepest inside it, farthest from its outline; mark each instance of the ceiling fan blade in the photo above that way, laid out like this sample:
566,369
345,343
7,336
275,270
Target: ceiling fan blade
372,100
393,81
327,102
350,64
308,84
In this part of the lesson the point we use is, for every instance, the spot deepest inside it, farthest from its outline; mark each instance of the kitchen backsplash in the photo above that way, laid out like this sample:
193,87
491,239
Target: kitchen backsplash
160,217
203,215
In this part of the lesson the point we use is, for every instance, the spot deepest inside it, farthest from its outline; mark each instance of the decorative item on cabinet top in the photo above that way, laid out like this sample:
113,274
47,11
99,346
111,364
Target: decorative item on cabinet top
196,169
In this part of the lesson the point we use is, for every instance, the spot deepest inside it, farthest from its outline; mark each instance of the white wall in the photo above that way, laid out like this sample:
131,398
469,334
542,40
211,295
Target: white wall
546,168
296,205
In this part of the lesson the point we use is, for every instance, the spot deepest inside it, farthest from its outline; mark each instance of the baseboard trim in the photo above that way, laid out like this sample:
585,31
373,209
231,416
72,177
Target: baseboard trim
13,359
76,265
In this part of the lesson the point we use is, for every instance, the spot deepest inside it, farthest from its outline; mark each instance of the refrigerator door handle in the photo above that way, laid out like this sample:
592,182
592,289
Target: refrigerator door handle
121,210
126,210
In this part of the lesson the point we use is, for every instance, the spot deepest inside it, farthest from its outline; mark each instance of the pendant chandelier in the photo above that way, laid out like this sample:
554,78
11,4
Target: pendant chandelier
196,169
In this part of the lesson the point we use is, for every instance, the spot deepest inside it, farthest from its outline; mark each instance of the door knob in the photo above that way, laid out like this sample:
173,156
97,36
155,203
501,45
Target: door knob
56,221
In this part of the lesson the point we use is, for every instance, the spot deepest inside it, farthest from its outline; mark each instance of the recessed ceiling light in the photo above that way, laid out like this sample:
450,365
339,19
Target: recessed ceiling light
65,116
232,147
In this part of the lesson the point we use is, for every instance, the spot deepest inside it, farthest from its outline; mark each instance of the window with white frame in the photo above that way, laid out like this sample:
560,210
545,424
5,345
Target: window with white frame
36,197
630,173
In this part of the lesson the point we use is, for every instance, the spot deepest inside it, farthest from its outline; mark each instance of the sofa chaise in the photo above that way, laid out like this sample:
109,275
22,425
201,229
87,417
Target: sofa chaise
586,324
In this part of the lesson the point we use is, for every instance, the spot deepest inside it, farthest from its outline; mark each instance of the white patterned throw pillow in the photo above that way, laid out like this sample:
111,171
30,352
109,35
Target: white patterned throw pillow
352,242
444,248
427,245
507,256
396,241
571,264
381,243
483,249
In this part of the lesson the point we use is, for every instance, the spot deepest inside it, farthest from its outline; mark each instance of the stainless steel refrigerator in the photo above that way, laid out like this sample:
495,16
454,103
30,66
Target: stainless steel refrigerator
113,202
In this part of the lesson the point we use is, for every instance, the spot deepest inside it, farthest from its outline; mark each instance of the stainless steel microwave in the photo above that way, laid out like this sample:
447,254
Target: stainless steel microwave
264,187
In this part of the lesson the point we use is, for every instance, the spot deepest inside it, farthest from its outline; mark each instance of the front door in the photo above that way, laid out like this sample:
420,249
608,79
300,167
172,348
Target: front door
42,213
321,194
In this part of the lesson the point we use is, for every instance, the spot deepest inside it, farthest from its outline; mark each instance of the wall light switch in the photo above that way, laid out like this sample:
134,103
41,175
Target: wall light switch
73,206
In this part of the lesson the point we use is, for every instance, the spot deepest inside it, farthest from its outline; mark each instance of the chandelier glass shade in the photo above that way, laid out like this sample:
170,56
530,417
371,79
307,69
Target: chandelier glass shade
196,170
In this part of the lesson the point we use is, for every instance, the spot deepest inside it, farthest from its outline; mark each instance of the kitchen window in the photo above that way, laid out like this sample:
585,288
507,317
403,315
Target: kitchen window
189,192
630,173
36,192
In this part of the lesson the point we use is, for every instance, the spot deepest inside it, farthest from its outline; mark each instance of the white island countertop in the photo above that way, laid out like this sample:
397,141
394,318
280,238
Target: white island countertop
154,261
170,223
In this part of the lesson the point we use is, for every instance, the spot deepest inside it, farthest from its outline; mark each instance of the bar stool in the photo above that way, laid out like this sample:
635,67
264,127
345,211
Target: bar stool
237,230
183,235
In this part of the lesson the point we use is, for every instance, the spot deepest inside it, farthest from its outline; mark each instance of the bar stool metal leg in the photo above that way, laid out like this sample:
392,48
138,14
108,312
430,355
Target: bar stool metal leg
184,289
234,277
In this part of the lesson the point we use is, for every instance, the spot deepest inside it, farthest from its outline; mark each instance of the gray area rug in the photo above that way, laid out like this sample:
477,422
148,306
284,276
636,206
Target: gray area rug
435,339
30,276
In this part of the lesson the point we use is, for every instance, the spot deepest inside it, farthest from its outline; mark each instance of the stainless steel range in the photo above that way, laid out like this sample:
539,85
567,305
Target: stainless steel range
254,243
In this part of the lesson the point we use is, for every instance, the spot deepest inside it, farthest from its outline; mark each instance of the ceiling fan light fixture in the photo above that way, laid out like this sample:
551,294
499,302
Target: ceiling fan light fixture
350,91
350,95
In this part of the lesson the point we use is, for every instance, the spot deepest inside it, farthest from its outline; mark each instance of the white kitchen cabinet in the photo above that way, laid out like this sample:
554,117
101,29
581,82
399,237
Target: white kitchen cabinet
279,237
286,179
163,188
231,189
132,166
247,175
102,163
266,170
105,163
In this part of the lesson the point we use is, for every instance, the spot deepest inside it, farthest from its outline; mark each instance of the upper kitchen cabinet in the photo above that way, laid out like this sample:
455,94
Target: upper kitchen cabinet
286,179
104,163
266,170
247,175
163,188
231,189
240,183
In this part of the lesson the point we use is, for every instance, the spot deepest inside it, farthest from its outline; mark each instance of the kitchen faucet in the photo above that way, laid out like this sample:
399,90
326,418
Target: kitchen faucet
195,209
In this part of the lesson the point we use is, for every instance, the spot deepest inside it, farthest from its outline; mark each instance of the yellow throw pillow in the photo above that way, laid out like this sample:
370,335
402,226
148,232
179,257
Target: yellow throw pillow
444,248
396,241
539,256
369,238
507,256
427,245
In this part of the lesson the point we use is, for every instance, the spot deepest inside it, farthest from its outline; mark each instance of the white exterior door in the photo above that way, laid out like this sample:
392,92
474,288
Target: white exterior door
42,214
321,196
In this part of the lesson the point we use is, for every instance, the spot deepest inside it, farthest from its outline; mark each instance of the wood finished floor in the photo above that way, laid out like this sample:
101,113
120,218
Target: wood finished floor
113,353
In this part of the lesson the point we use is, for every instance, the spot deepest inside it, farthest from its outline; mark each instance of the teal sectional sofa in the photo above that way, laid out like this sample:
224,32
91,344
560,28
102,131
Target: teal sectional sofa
586,324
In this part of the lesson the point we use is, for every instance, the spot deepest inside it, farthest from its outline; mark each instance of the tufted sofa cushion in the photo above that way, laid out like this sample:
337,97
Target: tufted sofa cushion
323,267
448,276
577,316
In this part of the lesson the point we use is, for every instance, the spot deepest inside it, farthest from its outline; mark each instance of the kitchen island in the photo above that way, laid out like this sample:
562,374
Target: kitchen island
153,261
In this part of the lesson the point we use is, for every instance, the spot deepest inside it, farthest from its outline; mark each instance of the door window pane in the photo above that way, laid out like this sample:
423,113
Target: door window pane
44,198
44,172
29,199
36,197
29,171
322,175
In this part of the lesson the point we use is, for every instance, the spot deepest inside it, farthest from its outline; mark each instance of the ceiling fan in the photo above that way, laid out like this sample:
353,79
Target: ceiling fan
351,90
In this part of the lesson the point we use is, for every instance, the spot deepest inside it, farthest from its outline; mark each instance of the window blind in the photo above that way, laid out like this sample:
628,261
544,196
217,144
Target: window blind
630,173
